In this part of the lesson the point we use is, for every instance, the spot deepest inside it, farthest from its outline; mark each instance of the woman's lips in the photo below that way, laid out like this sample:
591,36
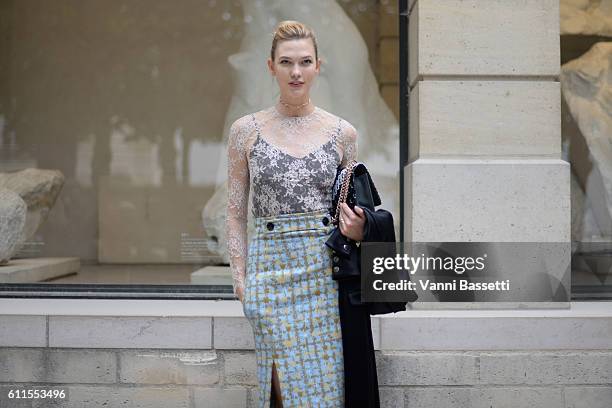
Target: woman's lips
296,84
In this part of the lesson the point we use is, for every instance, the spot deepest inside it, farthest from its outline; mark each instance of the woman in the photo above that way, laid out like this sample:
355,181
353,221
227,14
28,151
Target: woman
285,157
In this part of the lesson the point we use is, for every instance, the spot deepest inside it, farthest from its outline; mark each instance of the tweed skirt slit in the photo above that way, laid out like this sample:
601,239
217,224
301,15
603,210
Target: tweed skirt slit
291,302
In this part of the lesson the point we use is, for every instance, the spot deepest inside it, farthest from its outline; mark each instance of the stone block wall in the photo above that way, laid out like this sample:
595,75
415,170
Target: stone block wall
387,67
156,378
454,359
485,124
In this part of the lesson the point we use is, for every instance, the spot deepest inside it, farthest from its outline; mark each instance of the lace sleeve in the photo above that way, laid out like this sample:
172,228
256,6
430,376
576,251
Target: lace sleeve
237,201
348,141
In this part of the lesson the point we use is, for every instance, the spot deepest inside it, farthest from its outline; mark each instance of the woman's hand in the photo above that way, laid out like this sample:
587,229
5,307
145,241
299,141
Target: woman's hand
352,222
240,294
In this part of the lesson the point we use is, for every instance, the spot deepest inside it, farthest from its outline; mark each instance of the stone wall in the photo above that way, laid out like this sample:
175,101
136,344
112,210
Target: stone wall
227,378
444,358
485,124
387,68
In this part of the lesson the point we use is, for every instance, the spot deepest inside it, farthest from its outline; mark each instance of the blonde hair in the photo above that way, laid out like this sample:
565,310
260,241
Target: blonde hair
292,30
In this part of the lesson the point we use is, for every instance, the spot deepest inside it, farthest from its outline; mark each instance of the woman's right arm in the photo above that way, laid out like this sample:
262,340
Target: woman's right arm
237,203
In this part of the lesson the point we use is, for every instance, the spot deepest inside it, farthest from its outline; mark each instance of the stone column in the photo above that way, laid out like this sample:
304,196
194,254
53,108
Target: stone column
485,124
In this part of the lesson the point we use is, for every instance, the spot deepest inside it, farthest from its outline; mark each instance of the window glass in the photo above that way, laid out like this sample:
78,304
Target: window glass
114,118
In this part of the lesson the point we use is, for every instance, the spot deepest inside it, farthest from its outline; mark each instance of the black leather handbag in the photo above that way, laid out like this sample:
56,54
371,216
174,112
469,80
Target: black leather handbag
354,186
360,189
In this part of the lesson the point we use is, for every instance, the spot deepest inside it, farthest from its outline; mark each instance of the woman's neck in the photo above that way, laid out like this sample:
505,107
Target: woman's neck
296,108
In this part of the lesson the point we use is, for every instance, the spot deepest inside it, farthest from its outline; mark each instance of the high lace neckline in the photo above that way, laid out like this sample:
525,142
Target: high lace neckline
285,116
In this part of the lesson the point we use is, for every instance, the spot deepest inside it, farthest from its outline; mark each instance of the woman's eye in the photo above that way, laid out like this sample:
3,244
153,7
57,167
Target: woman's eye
307,61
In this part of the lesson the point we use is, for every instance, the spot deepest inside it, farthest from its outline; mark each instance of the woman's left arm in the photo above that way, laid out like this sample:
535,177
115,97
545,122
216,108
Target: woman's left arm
352,223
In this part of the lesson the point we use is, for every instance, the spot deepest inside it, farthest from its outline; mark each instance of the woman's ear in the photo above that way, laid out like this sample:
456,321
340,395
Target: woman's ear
271,67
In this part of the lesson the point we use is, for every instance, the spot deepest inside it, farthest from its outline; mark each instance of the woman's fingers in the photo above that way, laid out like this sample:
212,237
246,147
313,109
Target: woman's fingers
240,294
343,211
359,211
345,222
349,215
354,220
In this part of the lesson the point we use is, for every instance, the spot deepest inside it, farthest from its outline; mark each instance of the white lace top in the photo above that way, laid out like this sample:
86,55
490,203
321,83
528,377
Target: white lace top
288,165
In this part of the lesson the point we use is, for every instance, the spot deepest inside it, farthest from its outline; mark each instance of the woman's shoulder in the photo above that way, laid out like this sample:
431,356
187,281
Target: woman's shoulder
246,124
242,122
249,120
242,131
347,132
346,128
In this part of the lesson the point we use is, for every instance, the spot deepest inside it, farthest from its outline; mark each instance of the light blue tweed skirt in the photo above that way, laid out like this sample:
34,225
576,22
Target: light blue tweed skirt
291,302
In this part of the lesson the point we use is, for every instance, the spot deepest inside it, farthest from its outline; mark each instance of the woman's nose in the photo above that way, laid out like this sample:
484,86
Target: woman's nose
295,71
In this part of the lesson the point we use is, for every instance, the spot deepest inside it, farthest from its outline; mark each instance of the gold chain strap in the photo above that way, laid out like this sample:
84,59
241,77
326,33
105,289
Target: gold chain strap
344,189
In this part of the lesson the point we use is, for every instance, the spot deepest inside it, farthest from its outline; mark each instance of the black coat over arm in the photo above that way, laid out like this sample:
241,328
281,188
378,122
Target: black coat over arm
360,377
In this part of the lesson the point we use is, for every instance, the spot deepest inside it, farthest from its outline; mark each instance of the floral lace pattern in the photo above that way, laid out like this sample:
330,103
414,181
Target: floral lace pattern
288,163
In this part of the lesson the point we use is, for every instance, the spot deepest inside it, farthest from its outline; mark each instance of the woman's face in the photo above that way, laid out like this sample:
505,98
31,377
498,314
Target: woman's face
295,68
